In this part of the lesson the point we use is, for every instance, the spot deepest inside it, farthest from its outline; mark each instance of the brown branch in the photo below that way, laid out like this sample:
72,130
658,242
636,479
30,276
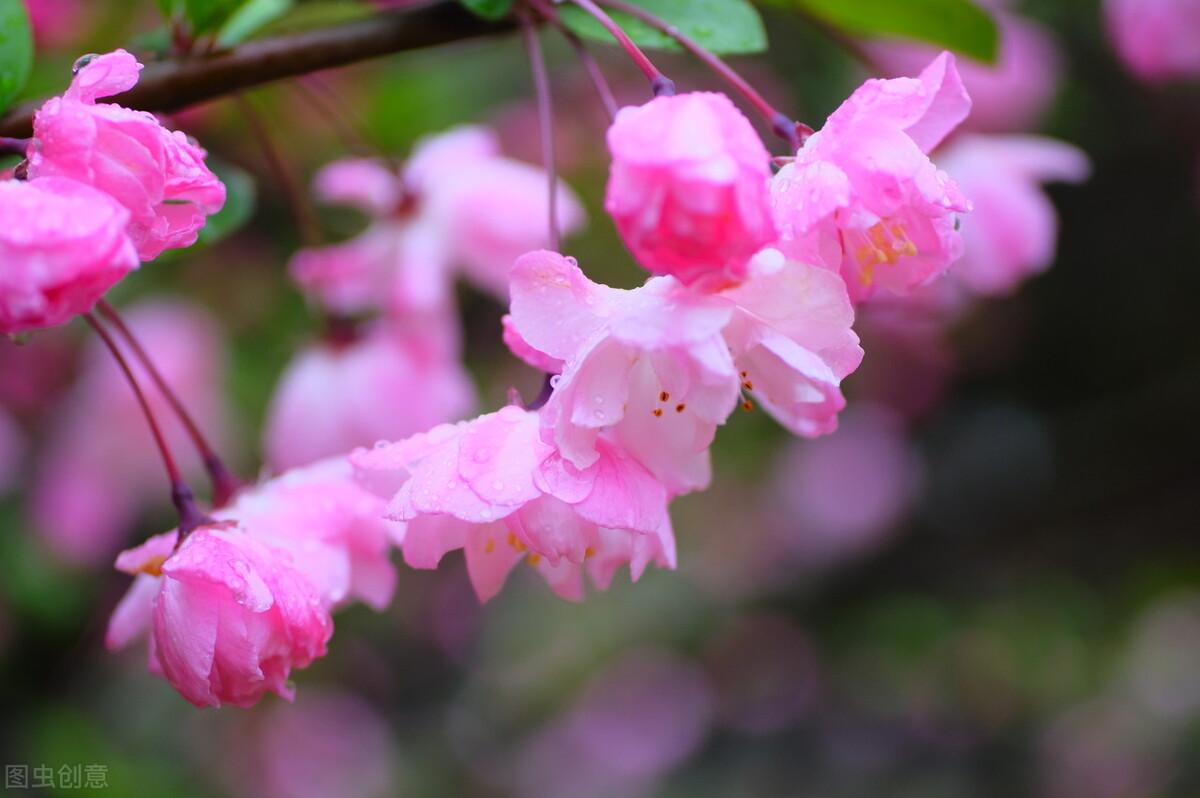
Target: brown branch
178,83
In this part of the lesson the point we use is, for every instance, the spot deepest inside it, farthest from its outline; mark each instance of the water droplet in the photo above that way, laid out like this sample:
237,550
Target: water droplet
379,444
555,380
487,514
571,260
598,400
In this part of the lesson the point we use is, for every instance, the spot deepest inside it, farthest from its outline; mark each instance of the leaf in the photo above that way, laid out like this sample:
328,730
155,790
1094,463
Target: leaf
241,197
958,25
248,19
721,26
318,14
16,50
208,15
489,9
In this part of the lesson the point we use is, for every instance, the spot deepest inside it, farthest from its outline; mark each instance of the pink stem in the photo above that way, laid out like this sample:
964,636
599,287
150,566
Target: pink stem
545,104
659,83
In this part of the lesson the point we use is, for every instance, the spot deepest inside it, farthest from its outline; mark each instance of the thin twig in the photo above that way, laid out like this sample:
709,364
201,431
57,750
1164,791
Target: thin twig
781,124
181,495
605,92
297,200
660,84
225,485
545,103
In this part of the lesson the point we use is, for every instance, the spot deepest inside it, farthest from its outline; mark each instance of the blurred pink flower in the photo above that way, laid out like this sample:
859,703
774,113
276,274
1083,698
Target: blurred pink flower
843,495
1012,231
100,467
492,487
387,388
12,453
862,197
63,244
688,187
329,744
457,203
1008,96
1158,40
230,616
33,372
636,721
55,22
157,174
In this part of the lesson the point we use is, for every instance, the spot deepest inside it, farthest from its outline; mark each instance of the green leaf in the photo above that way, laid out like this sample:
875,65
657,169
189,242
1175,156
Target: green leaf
208,15
489,9
958,25
16,50
721,26
248,19
241,196
318,14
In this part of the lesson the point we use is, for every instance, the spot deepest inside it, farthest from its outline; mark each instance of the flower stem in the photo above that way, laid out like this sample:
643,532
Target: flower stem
781,124
603,90
10,146
225,484
545,103
659,83
306,218
181,495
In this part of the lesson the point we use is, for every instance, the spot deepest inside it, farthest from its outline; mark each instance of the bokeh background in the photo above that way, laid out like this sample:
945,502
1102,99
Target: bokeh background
987,583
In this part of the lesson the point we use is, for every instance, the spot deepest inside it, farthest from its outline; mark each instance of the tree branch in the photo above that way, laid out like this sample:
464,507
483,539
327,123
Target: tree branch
178,83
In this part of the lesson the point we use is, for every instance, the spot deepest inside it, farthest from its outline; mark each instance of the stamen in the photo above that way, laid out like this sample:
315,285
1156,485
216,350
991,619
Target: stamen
533,559
489,546
664,396
658,412
679,408
590,551
747,405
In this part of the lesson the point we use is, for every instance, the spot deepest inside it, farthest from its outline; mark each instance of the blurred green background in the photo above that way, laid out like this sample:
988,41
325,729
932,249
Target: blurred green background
1030,625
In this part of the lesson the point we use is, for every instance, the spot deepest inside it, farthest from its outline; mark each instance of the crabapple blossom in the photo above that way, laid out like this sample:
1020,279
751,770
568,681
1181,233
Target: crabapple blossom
158,175
1158,40
1007,96
457,203
94,478
494,488
688,187
389,386
663,366
63,244
650,364
862,197
1012,231
229,616
333,528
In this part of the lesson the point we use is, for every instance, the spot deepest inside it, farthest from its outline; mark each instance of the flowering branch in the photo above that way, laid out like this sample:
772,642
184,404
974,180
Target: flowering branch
659,83
180,82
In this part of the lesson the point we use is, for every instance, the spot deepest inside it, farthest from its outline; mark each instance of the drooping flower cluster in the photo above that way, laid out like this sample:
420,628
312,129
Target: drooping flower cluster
107,187
457,206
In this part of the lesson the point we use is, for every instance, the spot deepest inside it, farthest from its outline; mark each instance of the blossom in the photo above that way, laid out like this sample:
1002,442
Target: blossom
688,187
1158,40
230,617
494,488
332,527
158,175
99,468
457,204
389,386
662,366
650,364
862,197
1012,231
63,244
1009,95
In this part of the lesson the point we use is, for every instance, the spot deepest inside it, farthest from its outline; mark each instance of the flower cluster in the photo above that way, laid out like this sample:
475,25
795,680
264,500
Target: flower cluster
106,187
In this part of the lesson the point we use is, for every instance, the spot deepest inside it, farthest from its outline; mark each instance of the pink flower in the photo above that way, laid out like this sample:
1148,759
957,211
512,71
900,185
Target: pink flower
1009,95
688,187
662,367
158,175
458,203
63,244
332,527
388,387
1013,229
492,487
230,616
99,467
792,342
863,199
1158,39
650,364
